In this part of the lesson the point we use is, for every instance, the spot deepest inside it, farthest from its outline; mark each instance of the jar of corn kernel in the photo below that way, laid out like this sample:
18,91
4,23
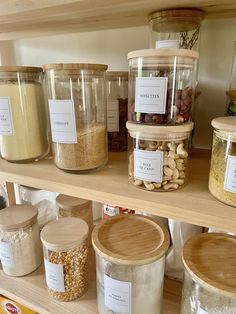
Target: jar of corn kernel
66,257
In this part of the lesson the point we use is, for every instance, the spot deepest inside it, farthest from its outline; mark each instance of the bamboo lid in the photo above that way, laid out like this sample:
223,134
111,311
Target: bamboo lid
117,74
75,66
168,52
231,94
71,203
227,124
130,240
23,69
210,258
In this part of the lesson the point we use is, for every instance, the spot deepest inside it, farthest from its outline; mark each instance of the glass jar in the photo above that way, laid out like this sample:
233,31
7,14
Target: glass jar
162,85
77,107
66,258
113,210
23,118
130,261
222,178
20,246
117,110
209,278
158,156
231,111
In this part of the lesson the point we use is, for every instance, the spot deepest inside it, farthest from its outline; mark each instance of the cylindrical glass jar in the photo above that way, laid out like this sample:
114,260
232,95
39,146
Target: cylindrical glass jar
66,258
222,178
117,110
77,107
231,110
23,118
162,85
130,261
158,155
210,276
20,246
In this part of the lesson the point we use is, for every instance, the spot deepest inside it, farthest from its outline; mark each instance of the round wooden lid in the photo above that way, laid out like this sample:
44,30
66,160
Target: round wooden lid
130,239
227,124
210,258
24,69
159,129
17,216
75,66
69,202
64,234
168,52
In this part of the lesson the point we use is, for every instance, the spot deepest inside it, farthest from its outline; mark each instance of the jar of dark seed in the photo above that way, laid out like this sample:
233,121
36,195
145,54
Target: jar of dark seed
162,85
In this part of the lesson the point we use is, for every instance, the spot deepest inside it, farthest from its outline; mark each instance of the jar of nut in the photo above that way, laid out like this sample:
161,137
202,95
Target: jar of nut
66,258
158,155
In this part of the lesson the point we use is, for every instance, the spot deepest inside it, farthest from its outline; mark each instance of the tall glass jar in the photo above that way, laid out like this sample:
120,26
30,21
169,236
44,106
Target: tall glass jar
23,118
77,107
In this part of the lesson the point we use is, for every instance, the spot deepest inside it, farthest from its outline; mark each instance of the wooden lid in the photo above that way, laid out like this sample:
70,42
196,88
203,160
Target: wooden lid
75,66
20,69
64,234
70,203
130,239
117,74
227,124
168,52
210,258
231,94
17,216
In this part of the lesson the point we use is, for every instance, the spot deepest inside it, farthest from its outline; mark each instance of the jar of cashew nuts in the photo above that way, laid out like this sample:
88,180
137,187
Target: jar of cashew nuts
158,155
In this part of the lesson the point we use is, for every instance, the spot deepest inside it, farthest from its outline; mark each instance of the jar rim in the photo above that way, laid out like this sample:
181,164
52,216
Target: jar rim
226,124
164,53
160,129
23,69
74,66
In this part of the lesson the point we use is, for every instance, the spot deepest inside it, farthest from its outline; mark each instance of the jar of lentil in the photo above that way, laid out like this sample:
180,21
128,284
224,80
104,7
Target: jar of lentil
222,178
23,118
162,85
20,246
77,107
210,275
158,156
66,258
130,261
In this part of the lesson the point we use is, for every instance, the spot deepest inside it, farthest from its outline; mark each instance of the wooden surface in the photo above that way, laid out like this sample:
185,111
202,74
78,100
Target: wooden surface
11,198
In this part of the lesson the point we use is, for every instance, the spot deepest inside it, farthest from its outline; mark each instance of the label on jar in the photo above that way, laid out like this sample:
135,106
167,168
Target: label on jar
54,276
148,165
62,120
6,255
150,94
6,122
117,295
201,311
113,116
230,174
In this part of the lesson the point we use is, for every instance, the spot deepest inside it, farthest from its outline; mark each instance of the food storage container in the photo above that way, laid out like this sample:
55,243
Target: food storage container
23,118
231,111
210,275
130,261
20,246
66,258
117,110
162,85
231,93
158,155
222,178
77,107
109,210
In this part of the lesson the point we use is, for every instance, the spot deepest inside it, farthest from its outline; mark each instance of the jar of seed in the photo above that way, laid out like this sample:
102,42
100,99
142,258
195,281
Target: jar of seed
65,258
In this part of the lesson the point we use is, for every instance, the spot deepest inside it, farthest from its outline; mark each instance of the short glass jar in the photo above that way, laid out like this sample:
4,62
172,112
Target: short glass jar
20,246
66,258
158,155
222,178
77,108
23,119
130,262
210,275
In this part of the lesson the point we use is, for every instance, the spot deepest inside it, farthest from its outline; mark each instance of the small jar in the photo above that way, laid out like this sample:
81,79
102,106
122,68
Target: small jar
77,108
222,178
23,118
113,210
20,246
210,276
158,156
66,258
117,110
130,261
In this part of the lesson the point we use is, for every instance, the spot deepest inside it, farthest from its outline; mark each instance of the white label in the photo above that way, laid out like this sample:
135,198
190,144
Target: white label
150,94
201,311
54,276
230,174
6,124
6,255
148,165
110,211
117,295
113,116
62,118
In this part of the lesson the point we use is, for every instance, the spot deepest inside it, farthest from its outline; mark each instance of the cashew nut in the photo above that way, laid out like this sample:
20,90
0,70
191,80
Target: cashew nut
171,163
180,167
168,172
166,178
173,155
175,175
157,185
149,185
169,186
171,146
178,181
138,182
181,151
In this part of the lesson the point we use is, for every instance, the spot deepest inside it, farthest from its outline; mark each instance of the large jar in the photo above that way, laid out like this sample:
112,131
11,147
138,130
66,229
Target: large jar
117,110
20,246
162,85
23,118
222,179
158,156
130,262
66,258
210,274
77,107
